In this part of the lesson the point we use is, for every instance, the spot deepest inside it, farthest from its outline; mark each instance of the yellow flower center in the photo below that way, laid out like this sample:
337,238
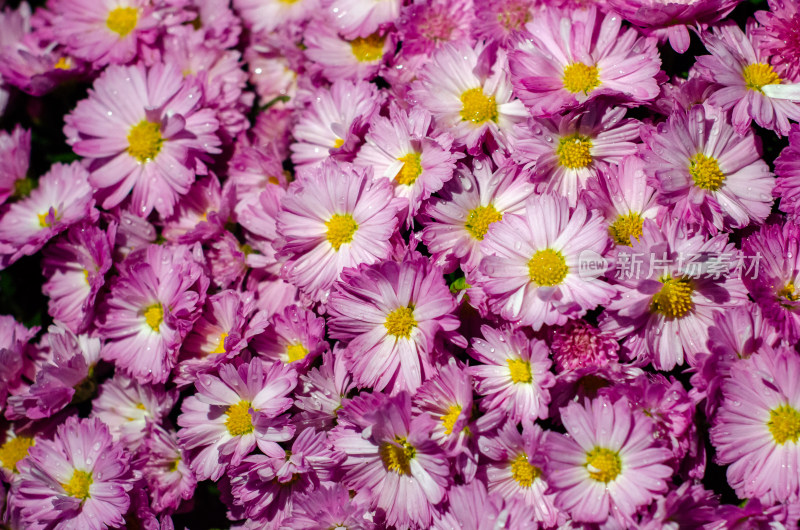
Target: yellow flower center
220,345
478,107
705,172
122,20
296,352
238,421
396,457
44,222
400,322
412,168
574,151
479,219
338,143
523,471
78,485
788,293
367,49
547,267
625,227
63,63
341,229
674,299
604,465
520,370
15,450
579,77
784,424
450,418
759,74
144,140
154,316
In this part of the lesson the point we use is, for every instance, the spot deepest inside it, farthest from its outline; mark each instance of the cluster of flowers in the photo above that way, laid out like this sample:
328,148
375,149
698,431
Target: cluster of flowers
329,254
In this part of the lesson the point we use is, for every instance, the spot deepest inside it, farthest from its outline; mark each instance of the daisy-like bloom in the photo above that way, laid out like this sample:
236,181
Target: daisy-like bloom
515,470
79,479
530,271
340,58
62,198
576,56
328,507
294,336
131,410
322,391
145,131
258,214
468,101
150,309
428,26
335,217
565,151
710,175
608,464
360,18
447,398
787,167
75,266
666,298
456,221
169,479
268,15
747,82
404,149
253,169
503,20
779,38
232,414
626,199
579,344
15,152
391,315
388,456
106,31
333,123
201,214
774,283
514,373
757,428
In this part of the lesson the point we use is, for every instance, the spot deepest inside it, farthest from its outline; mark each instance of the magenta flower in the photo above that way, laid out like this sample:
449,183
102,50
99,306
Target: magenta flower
339,58
293,336
150,309
779,38
144,131
267,15
232,414
328,506
503,21
15,152
787,167
608,464
447,398
689,505
360,18
428,26
391,316
166,472
472,508
593,56
79,479
323,391
579,344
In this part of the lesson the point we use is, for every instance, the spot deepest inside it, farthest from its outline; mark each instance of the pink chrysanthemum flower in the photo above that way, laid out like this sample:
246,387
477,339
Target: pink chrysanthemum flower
62,198
404,149
131,410
456,221
576,56
150,309
145,131
268,15
427,26
79,479
565,151
757,428
626,199
328,507
294,336
514,373
579,344
340,58
105,31
503,20
515,470
333,123
687,506
391,316
360,18
787,167
779,36
774,282
323,391
608,464
469,94
530,271
258,214
75,266
15,152
747,82
232,414
166,472
334,218
711,176
668,295
220,26
388,456
201,214
447,398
